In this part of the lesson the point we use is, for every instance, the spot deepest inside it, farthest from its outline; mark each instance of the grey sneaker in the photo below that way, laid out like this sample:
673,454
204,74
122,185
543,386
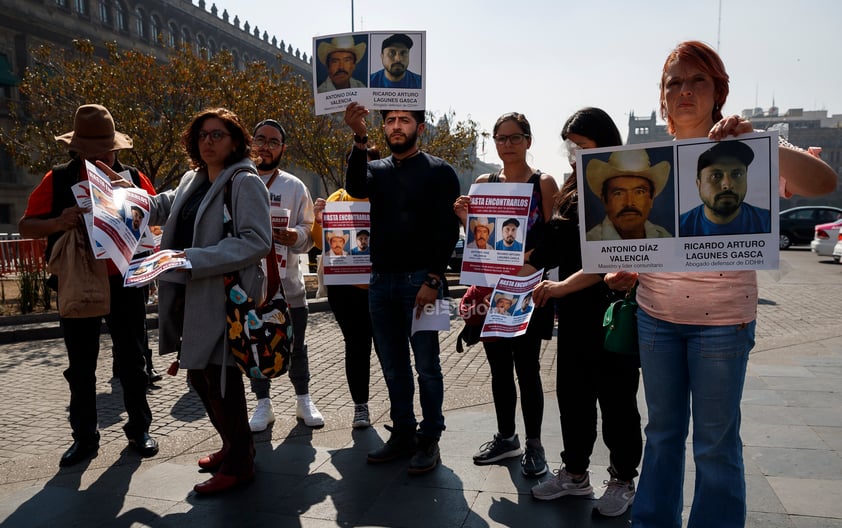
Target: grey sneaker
562,484
533,463
427,455
618,496
361,418
498,449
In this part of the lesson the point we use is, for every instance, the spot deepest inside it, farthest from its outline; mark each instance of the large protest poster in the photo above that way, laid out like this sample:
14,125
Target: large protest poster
690,205
346,231
495,231
382,70
119,218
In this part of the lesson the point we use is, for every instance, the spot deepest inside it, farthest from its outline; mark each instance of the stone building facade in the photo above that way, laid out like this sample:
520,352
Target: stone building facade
149,26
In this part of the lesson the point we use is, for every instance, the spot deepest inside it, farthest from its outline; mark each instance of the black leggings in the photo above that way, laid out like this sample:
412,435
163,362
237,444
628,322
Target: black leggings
505,358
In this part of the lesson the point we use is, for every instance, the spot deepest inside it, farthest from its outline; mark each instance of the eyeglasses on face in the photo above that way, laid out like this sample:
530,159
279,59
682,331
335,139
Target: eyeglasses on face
272,144
514,139
214,135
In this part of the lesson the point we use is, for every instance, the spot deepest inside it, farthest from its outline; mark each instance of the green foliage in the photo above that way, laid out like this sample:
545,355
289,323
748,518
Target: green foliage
153,101
30,289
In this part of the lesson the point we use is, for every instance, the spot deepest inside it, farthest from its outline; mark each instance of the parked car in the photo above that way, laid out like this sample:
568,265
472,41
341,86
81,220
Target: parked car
837,249
825,238
798,224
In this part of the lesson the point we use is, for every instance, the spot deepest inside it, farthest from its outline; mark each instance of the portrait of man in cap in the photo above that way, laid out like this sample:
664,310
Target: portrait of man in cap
362,243
395,54
509,240
340,56
481,232
722,182
627,185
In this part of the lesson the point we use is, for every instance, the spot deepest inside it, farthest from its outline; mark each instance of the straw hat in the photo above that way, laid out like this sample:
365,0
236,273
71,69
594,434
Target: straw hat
627,163
341,43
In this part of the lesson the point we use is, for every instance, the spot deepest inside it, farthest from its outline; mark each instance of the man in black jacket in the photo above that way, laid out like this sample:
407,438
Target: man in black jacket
411,195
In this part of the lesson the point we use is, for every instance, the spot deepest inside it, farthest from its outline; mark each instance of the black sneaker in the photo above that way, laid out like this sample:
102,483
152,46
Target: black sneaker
427,455
498,449
534,462
401,443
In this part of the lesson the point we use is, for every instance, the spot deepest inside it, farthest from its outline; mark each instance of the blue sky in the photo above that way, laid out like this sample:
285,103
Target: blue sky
546,59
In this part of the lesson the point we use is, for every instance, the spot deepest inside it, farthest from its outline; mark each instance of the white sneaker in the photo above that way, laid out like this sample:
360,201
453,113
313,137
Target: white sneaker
263,416
618,496
306,410
562,484
361,418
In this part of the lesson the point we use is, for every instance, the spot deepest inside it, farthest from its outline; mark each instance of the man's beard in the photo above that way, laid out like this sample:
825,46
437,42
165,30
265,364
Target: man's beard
266,166
397,69
407,145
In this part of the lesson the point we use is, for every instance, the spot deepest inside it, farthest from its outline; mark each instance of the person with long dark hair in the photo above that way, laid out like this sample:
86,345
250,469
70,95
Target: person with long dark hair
587,375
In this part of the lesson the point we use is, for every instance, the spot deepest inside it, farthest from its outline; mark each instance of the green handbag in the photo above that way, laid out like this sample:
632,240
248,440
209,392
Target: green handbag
620,325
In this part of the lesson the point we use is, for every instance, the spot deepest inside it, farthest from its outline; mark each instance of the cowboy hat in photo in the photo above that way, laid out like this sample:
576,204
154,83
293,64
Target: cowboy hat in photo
93,132
481,221
340,43
627,163
337,233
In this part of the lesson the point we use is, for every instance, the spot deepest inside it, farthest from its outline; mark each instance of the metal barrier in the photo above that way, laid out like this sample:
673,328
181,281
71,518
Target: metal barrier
21,254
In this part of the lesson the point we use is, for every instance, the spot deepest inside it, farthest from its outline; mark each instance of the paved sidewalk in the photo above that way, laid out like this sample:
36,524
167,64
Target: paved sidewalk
792,431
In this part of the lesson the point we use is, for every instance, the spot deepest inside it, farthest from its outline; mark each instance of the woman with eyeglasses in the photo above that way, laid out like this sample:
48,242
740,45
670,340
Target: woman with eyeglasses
587,375
513,136
192,303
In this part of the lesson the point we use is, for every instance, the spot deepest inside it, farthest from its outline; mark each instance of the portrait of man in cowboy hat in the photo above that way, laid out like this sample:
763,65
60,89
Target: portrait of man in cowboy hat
503,303
481,233
627,185
337,240
722,182
340,56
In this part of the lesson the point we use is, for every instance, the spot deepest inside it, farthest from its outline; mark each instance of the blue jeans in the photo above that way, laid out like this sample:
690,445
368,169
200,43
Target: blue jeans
391,300
698,369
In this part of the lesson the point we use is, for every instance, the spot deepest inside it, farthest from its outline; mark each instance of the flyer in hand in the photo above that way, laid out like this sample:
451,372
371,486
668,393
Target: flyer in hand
143,270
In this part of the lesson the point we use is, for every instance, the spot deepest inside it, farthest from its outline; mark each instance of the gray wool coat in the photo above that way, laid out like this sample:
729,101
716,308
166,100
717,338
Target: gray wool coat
203,335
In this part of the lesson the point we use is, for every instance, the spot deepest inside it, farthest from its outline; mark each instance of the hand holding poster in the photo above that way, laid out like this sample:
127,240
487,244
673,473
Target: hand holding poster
119,218
691,205
280,222
511,306
380,70
144,270
346,229
496,228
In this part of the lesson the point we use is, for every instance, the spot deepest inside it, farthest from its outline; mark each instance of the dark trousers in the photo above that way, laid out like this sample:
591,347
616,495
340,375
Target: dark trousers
127,325
350,307
505,358
228,414
586,375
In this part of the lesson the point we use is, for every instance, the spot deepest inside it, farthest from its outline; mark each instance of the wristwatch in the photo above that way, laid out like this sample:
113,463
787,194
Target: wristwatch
361,140
433,282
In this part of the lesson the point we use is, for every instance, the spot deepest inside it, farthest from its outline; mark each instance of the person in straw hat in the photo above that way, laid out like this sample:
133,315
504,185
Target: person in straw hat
340,56
482,229
337,240
627,184
52,211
